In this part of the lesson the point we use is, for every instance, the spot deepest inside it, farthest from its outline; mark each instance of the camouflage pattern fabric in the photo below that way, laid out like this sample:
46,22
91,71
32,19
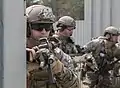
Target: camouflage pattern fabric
111,51
67,45
38,78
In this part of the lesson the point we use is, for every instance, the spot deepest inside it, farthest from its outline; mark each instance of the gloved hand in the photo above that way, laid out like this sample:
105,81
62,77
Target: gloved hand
57,66
58,53
31,53
35,52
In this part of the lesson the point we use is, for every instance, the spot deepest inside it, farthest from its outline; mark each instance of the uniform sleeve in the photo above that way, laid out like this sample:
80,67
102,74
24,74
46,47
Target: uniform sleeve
67,78
117,52
64,58
90,46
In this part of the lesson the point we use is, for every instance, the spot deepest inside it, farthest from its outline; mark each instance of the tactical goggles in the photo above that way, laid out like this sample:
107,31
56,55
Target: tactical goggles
41,26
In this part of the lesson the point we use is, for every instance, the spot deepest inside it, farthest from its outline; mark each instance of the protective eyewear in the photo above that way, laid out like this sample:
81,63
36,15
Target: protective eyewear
41,26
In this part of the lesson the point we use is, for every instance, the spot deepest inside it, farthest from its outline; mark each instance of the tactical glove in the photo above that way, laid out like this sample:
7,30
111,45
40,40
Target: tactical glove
31,54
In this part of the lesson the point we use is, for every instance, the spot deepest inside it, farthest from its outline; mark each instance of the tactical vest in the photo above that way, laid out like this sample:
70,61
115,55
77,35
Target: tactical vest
38,77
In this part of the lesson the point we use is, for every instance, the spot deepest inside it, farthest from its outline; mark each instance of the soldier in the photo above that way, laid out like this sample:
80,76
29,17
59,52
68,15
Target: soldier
39,24
103,51
65,26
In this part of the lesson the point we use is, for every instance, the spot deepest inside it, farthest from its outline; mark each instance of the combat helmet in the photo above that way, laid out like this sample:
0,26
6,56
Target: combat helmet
66,21
111,30
39,14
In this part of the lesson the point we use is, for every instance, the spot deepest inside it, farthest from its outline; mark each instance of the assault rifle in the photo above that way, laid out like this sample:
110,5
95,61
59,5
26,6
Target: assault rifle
49,44
107,66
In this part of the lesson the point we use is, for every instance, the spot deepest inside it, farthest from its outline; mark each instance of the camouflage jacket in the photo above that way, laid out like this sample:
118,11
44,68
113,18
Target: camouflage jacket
65,79
96,46
68,45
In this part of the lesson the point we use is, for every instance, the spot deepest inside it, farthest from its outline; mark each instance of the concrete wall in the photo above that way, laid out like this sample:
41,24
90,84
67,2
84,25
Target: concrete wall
12,45
78,33
104,13
1,44
99,14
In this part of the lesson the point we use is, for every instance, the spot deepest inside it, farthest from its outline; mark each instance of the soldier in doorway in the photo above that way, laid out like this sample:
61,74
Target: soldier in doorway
39,25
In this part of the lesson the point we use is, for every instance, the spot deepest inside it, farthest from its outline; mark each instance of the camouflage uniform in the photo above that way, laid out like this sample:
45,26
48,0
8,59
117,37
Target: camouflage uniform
117,66
62,67
67,43
64,34
99,48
